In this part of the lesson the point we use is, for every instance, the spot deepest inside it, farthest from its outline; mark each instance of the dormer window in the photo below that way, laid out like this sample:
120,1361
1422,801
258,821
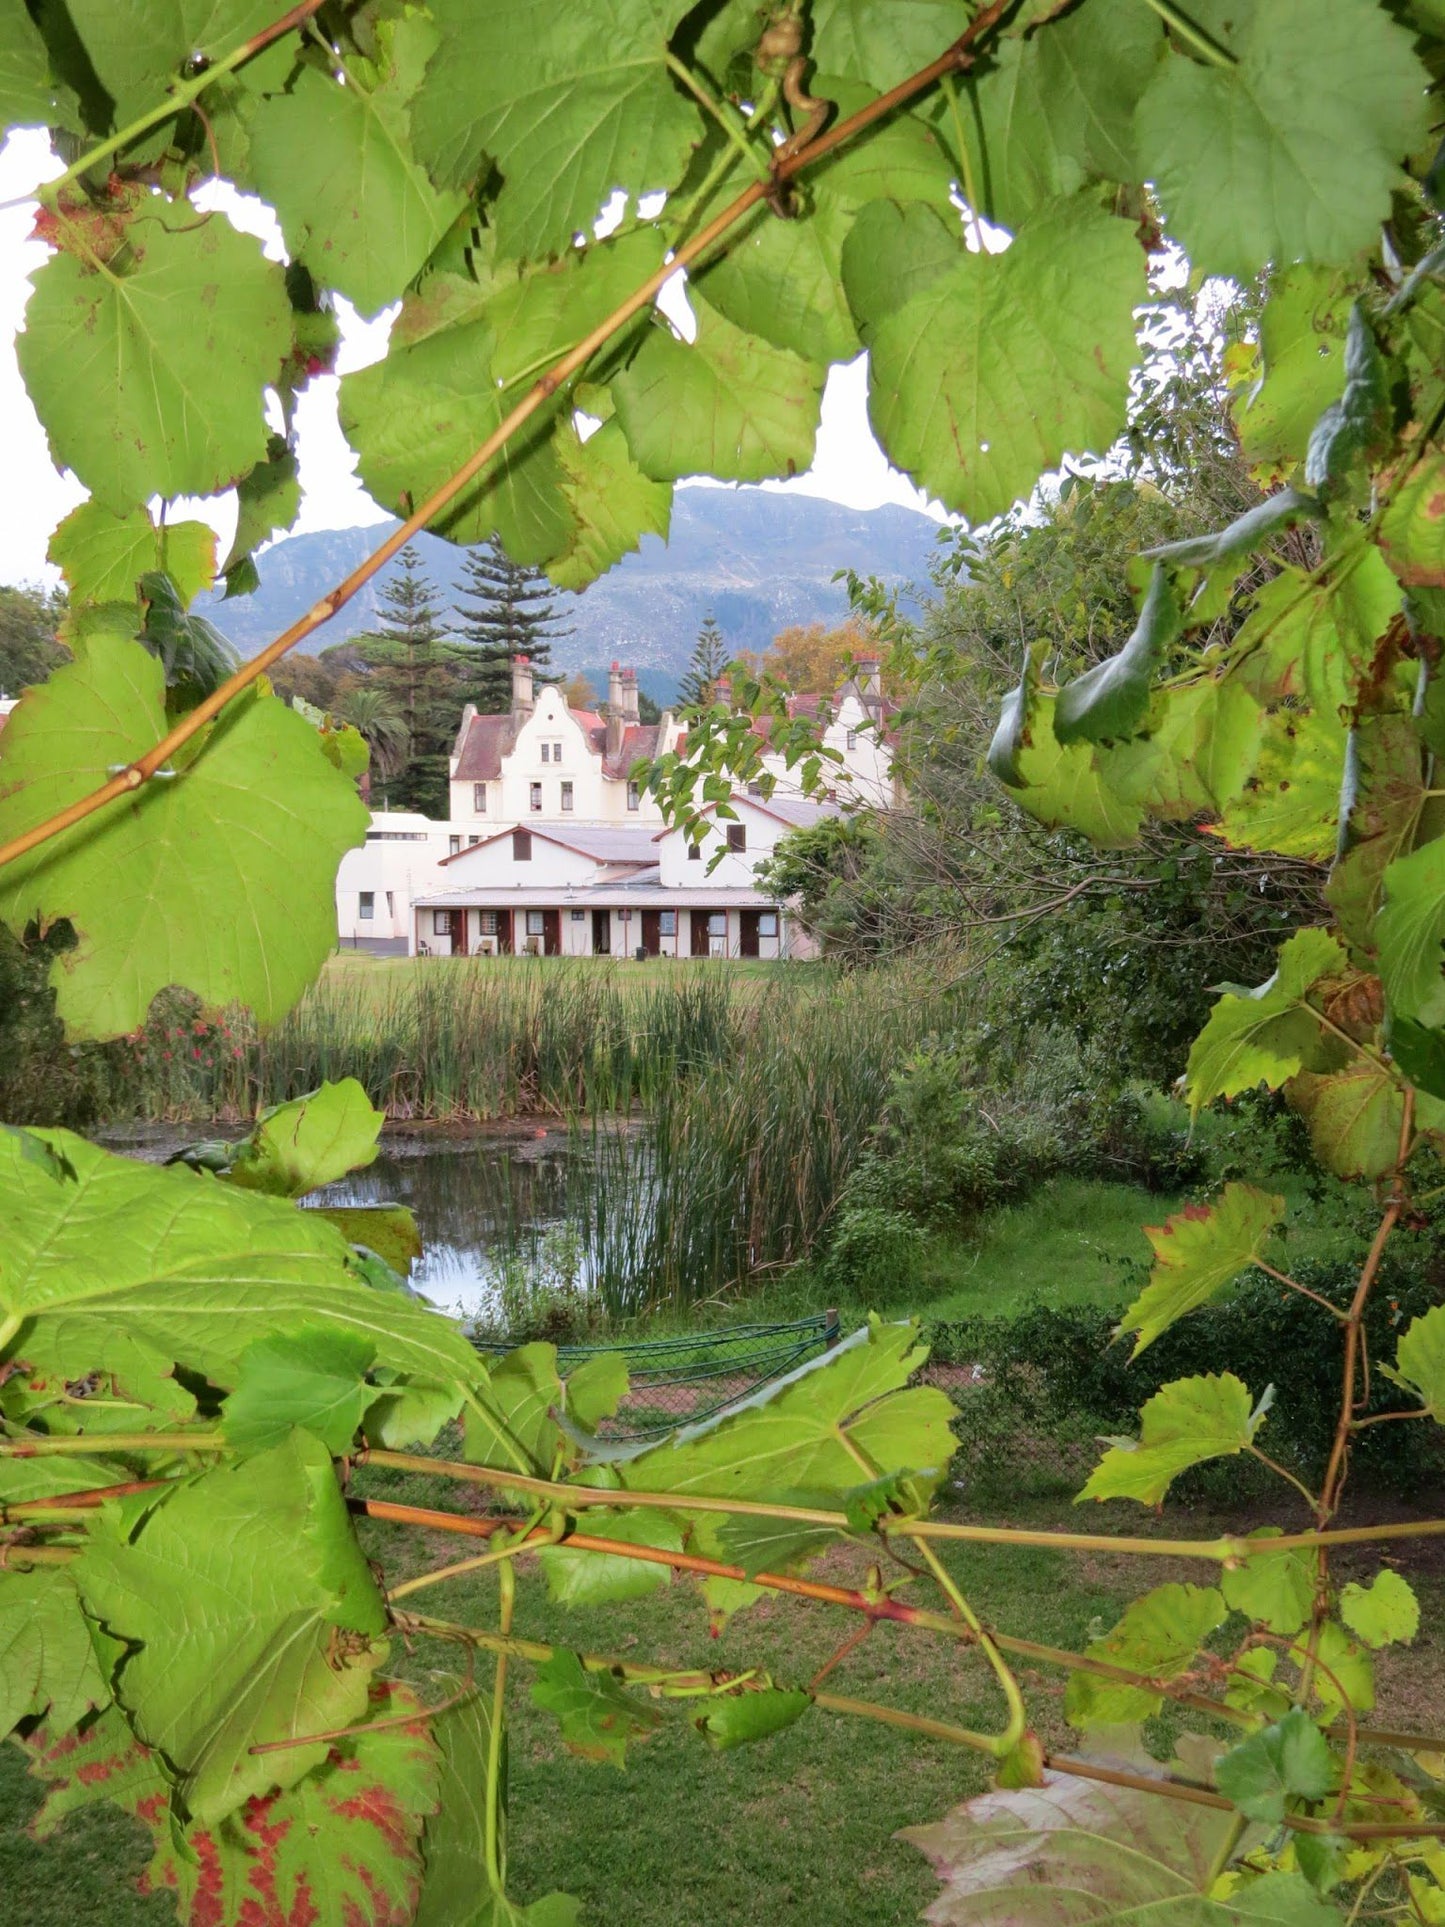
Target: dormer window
536,794
546,752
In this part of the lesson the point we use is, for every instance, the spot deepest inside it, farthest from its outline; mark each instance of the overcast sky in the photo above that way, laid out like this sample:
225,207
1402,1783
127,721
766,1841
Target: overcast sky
849,467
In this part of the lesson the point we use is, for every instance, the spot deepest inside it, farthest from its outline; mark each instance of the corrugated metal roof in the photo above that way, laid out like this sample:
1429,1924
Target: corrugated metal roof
603,842
598,896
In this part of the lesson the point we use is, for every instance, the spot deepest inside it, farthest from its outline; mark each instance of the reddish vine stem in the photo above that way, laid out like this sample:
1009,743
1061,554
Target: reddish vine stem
954,60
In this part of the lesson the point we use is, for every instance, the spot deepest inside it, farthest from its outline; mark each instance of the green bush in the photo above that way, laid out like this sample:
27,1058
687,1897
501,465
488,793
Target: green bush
875,1253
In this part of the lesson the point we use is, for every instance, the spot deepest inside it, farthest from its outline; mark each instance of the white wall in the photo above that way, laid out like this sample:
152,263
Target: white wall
389,869
865,773
735,871
491,866
570,757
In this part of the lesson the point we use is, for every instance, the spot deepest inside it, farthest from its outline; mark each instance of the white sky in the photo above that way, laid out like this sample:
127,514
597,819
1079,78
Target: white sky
848,467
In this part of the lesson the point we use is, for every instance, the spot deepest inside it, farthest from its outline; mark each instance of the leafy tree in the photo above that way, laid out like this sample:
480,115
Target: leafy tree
709,658
813,658
253,1354
504,609
29,621
377,719
411,667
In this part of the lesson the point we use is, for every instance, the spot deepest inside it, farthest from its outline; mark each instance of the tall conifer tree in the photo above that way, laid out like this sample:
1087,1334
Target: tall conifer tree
503,609
408,658
706,663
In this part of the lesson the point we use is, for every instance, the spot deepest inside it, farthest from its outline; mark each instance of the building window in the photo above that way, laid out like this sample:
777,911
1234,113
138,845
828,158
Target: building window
694,853
767,923
521,846
536,789
852,739
441,923
535,925
546,752
755,789
454,843
366,907
556,752
479,799
579,916
634,797
737,836
667,923
488,922
717,923
567,797
472,842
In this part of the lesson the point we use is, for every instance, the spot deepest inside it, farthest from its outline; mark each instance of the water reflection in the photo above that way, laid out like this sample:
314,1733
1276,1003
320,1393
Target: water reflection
479,1203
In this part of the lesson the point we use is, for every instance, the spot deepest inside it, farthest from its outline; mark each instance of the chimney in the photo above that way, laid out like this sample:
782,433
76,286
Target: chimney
614,710
722,691
867,673
521,687
629,696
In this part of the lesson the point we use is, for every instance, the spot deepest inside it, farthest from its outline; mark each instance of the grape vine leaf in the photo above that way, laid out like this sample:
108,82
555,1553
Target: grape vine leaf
513,1426
737,1719
1082,1851
595,1389
1198,1253
613,504
598,1719
1184,1424
1298,367
728,404
851,37
1064,786
218,879
390,1230
1354,1117
232,1593
582,1578
135,1255
1265,1035
137,47
1274,1589
1420,1361
1384,1612
899,158
1287,147
48,1663
28,96
308,1141
103,1760
1410,930
893,252
1344,1679
568,105
333,156
1269,1772
1291,805
103,556
316,1379
1412,526
998,368
780,280
268,499
1160,1636
132,398
1111,699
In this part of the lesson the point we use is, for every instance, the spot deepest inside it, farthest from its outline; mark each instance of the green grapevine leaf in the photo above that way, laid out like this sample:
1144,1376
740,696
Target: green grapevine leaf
780,280
1063,786
1198,1253
1274,1589
1354,1116
612,504
568,105
597,1717
389,1230
316,1379
851,37
1263,1036
22,1479
1345,1677
999,367
1291,151
135,1255
1198,755
1079,1851
604,1578
898,159
1384,791
1409,931
1269,1772
1251,1684
1420,1361
125,362
1248,531
1160,1635
333,156
268,499
139,46
892,253
309,1141
1412,528
1291,805
230,1593
773,1545
1300,364
1384,1612
729,404
28,97
101,1761
1112,698
736,1719
514,1427
47,1660
103,556
1184,1424
595,1389
219,879
1420,1054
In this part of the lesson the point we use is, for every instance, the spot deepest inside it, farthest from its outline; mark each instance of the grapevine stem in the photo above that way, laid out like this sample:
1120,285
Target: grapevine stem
179,99
1018,1718
1196,37
733,133
955,59
495,1847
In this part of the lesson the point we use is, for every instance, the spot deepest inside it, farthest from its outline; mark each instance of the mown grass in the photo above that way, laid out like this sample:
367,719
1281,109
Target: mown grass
799,1828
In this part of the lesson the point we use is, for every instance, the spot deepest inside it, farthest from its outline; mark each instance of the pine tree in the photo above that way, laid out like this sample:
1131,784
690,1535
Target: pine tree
409,661
705,664
504,609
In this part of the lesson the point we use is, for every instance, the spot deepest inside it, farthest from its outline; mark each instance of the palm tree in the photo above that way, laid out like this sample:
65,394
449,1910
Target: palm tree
375,716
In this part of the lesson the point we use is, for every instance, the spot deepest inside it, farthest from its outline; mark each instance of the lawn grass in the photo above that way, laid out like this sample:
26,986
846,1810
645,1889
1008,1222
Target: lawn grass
799,1828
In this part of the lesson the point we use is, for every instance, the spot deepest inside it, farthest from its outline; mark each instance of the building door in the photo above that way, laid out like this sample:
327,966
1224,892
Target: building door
749,926
459,933
698,919
551,933
602,933
652,932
